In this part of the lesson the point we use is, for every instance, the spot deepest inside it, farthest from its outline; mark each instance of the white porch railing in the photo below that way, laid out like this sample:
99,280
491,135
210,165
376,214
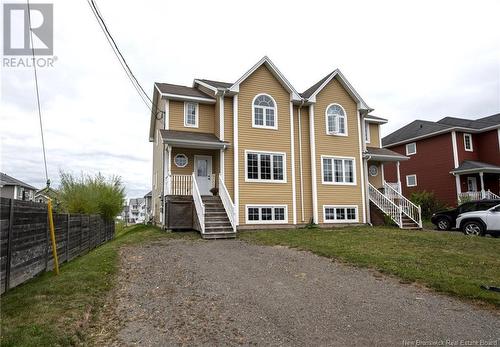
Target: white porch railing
198,203
179,184
386,205
227,202
467,196
394,185
408,208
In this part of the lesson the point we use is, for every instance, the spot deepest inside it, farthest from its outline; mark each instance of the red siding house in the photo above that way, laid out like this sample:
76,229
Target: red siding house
455,158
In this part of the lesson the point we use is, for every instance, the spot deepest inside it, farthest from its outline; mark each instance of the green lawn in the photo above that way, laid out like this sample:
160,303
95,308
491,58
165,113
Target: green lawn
447,262
56,310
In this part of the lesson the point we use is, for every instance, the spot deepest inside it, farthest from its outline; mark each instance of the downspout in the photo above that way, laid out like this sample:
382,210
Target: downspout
222,129
367,194
163,202
300,165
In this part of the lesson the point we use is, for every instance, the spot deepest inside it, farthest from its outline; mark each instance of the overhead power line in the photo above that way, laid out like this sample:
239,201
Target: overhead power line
38,96
123,62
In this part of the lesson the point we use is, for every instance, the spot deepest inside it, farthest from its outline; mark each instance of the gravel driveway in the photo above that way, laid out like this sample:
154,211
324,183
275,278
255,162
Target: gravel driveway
180,292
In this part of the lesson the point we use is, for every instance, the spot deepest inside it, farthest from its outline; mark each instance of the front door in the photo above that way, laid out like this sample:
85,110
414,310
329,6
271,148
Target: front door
203,173
472,184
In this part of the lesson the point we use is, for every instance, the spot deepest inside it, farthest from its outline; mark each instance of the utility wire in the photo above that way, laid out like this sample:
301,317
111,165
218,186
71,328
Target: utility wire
38,95
113,47
135,82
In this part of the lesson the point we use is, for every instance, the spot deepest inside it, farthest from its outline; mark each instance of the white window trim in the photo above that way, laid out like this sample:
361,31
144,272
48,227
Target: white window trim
181,154
343,221
354,183
196,114
285,221
411,143
367,132
275,127
345,121
408,184
272,180
471,149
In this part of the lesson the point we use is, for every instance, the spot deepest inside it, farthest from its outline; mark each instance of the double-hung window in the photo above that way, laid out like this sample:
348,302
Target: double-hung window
267,167
191,114
336,120
367,132
337,170
264,112
468,142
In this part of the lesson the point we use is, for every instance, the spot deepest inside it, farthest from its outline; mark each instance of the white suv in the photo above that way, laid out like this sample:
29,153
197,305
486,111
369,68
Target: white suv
480,222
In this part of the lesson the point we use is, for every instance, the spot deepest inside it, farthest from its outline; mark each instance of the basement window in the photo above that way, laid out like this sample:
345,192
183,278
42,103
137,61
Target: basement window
340,214
266,214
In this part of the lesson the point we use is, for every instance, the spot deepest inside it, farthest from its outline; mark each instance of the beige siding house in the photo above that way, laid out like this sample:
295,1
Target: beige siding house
256,154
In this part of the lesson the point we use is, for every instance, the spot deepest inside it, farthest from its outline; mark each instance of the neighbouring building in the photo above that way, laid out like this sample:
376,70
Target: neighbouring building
136,210
13,188
455,158
256,153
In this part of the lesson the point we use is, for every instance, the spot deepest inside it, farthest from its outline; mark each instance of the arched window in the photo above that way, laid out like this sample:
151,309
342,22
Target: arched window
336,120
264,114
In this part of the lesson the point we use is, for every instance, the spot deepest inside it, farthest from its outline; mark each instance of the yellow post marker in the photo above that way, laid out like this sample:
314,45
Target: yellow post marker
53,237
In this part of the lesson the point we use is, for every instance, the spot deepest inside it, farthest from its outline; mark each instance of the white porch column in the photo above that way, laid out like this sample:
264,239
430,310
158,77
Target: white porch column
458,186
481,174
399,177
382,172
169,170
221,164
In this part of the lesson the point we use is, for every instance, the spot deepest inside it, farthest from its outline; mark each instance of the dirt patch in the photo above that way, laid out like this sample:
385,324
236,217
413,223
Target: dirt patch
229,293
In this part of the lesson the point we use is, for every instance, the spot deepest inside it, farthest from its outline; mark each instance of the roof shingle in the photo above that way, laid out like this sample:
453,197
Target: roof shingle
181,90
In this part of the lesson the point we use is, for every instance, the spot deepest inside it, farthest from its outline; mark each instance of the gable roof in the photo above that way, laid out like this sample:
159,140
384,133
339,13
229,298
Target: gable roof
6,180
274,70
374,119
181,91
192,139
311,92
215,84
415,129
475,166
421,128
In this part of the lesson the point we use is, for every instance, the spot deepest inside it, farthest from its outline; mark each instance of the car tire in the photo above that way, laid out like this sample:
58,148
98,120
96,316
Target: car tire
473,228
443,224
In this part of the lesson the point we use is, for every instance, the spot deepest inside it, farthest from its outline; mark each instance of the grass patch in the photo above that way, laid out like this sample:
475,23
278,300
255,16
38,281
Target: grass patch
447,262
55,310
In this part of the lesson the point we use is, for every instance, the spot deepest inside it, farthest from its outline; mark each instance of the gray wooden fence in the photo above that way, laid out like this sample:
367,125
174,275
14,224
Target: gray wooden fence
25,246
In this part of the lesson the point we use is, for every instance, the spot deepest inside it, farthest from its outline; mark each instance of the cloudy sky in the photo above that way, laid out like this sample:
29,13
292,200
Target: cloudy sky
408,59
